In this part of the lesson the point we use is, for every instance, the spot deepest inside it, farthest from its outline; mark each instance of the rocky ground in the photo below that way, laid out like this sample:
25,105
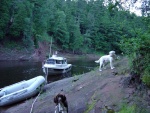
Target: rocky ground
93,92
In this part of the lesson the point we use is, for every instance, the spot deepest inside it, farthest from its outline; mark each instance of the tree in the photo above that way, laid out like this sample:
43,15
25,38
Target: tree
71,23
61,34
6,19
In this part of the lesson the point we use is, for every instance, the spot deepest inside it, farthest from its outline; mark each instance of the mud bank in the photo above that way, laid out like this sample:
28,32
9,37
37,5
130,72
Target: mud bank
38,54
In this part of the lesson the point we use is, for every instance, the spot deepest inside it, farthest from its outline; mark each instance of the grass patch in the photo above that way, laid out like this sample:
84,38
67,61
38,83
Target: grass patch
127,109
92,105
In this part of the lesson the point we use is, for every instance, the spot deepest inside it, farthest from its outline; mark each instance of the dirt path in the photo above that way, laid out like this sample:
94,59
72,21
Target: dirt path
93,92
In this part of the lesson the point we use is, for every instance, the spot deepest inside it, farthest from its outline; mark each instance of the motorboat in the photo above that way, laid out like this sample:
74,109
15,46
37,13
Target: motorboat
56,65
21,90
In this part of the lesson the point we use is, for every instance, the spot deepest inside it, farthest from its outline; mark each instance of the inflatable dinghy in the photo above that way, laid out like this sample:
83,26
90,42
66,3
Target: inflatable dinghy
21,90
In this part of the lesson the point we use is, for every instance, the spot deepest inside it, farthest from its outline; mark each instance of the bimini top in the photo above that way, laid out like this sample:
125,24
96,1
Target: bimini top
56,60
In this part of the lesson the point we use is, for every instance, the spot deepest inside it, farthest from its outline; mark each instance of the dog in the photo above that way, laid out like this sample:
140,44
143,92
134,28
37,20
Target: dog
61,104
106,58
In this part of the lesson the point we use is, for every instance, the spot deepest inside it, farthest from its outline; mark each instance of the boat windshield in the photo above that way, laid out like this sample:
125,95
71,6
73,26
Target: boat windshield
61,62
50,61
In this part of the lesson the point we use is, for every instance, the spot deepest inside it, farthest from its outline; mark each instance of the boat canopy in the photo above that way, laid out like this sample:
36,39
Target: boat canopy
57,61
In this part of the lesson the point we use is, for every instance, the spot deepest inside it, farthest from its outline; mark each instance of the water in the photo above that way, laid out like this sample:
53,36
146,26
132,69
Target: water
16,71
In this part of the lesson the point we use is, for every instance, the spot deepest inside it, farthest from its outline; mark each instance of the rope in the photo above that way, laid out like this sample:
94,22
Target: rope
46,74
34,102
36,99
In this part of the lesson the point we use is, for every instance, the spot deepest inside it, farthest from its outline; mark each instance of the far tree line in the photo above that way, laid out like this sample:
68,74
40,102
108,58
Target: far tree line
75,25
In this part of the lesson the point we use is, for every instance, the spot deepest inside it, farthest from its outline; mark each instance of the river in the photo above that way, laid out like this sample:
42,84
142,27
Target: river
16,71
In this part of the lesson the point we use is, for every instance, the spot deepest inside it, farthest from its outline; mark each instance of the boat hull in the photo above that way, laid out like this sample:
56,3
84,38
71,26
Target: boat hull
21,90
53,70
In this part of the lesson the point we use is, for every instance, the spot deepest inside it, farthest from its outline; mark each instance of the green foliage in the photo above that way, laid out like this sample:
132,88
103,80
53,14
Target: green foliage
146,75
76,40
11,44
138,51
128,109
28,42
4,16
61,34
74,24
132,109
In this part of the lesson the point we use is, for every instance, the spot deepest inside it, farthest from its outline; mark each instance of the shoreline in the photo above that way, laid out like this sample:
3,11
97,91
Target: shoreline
36,55
92,92
75,88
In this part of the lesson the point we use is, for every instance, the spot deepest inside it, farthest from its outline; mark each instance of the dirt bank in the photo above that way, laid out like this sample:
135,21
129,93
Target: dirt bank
93,92
38,54
22,53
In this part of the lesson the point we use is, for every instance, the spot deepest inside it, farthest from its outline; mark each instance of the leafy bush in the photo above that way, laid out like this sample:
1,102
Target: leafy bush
127,109
11,44
146,76
137,50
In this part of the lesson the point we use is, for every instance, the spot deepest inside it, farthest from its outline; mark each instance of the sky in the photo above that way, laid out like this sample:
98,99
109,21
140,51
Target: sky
133,8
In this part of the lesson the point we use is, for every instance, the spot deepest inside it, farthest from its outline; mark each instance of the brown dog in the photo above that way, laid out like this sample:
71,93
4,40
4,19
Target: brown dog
61,104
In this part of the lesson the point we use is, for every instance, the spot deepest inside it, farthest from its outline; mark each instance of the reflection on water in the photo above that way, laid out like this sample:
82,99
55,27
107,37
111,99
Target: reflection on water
15,71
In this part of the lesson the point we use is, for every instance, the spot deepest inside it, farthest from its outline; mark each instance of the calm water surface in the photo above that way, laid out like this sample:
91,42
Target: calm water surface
16,71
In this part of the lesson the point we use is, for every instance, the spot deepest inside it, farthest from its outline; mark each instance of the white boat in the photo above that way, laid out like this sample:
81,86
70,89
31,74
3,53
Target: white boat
21,90
56,65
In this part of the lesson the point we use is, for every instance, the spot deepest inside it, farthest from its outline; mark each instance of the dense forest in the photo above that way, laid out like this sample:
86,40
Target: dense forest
75,25
79,26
